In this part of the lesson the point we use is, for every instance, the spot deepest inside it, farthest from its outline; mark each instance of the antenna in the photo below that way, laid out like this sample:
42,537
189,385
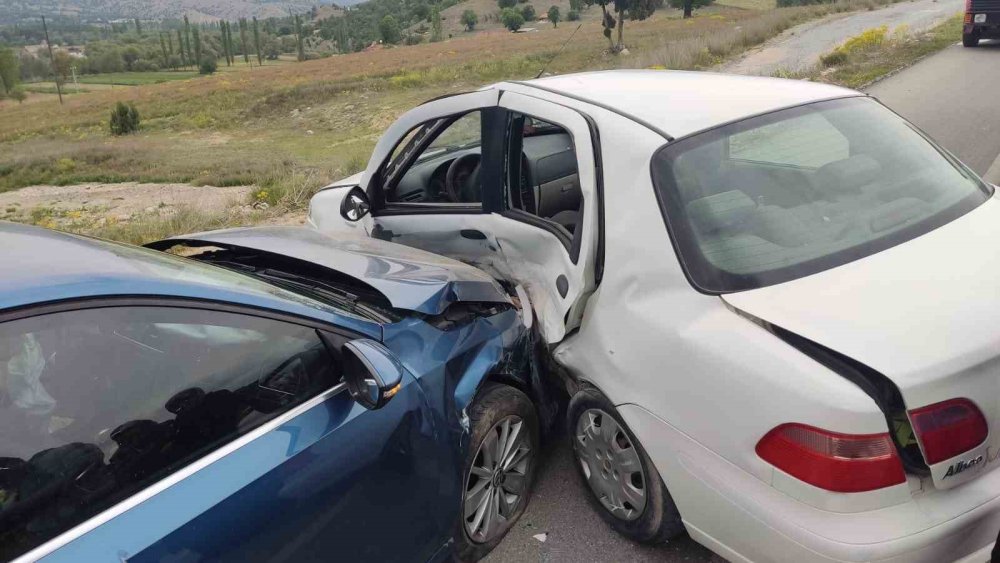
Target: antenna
559,52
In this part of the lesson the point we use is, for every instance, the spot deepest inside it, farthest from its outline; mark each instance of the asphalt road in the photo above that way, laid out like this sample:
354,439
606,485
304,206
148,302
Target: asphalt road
799,48
953,96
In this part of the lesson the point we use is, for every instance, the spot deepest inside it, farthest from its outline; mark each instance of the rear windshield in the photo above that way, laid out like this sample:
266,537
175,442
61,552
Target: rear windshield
798,191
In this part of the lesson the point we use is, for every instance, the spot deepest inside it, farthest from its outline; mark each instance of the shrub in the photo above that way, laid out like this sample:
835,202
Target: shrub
469,20
208,66
124,119
389,30
504,4
833,58
528,13
572,16
512,19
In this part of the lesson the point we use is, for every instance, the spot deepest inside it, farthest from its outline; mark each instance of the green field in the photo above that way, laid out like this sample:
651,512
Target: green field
136,78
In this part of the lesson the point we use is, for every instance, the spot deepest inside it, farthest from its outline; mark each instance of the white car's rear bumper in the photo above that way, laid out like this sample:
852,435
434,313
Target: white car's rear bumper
745,519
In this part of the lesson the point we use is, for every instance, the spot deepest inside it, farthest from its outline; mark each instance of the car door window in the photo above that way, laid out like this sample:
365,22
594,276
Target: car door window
543,174
438,163
97,404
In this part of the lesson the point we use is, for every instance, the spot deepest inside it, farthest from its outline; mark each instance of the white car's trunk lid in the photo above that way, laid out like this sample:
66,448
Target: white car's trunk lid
926,314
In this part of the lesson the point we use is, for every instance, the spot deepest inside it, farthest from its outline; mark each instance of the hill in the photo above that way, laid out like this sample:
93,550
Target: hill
13,11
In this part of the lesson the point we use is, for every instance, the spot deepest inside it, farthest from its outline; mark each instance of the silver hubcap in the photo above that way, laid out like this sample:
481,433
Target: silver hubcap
496,482
611,464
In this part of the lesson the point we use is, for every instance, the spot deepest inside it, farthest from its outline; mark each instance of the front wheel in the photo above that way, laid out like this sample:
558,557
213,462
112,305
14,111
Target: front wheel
499,469
626,490
970,39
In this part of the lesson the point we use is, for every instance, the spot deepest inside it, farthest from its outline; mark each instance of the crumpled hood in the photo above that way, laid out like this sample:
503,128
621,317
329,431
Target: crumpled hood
925,313
409,278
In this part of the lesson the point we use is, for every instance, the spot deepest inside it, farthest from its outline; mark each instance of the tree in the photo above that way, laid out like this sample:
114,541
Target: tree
180,48
301,41
243,40
528,12
469,20
504,4
129,56
554,16
197,43
208,66
437,34
163,50
10,70
512,19
688,5
138,27
575,5
389,29
256,42
187,42
224,30
124,119
631,9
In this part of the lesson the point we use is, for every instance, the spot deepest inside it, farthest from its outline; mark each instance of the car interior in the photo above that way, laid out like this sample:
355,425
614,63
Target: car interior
154,396
543,181
798,189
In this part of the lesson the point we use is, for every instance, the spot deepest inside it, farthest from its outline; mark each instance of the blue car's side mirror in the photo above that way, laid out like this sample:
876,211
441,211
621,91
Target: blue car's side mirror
372,373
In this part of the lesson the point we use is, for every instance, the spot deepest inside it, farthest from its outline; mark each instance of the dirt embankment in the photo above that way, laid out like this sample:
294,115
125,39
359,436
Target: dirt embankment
83,205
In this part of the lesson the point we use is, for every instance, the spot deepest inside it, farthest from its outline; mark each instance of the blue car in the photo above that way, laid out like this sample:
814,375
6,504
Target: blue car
274,395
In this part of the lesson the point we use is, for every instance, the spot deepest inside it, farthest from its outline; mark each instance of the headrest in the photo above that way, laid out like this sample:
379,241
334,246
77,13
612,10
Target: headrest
720,211
847,175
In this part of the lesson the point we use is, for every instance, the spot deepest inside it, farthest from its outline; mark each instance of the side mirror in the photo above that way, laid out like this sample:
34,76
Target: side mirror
355,205
372,373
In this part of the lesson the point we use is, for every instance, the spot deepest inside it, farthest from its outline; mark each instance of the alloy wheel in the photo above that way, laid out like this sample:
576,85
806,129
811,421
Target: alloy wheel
610,464
495,486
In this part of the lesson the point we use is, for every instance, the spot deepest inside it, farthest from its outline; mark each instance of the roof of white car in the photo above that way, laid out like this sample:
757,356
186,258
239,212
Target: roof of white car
679,103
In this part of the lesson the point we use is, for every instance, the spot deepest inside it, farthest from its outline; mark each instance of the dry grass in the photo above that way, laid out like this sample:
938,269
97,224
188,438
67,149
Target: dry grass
702,50
875,53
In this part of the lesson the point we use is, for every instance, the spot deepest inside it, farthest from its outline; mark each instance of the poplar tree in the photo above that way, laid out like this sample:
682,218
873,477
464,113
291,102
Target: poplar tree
243,40
256,42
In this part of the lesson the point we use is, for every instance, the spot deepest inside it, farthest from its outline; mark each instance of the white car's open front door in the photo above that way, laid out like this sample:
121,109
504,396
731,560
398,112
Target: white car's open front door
452,177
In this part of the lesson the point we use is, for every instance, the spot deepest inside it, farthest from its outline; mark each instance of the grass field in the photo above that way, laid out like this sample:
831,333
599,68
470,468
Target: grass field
750,4
317,121
136,78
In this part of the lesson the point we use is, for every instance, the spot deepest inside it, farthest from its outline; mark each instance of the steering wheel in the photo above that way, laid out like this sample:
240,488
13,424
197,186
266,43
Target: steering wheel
462,179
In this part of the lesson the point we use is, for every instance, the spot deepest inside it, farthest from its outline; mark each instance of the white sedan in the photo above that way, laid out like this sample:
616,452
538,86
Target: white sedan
774,303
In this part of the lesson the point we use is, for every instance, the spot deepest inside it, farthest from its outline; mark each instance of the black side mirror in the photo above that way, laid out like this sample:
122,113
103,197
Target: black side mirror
355,205
372,373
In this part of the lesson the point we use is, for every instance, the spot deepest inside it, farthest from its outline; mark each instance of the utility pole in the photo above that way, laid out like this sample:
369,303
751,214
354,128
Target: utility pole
52,60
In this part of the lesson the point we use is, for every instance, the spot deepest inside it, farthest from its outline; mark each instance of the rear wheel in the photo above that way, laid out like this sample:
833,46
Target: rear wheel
970,39
499,469
626,490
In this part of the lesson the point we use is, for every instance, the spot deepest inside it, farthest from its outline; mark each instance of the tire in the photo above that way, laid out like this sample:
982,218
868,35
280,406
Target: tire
970,39
601,442
498,407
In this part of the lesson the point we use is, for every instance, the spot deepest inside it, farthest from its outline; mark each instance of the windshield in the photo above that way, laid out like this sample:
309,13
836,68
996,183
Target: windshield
798,191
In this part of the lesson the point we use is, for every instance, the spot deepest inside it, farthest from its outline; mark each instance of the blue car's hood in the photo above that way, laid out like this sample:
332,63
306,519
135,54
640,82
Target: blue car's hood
409,278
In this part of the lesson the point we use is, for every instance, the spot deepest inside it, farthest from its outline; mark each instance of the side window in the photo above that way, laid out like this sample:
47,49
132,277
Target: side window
97,404
808,142
438,163
544,176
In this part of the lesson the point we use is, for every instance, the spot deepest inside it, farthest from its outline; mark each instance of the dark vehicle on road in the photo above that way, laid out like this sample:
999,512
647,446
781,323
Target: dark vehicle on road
982,21
347,400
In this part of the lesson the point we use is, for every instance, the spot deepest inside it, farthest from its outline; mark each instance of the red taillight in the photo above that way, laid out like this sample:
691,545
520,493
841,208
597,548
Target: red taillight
948,428
843,463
